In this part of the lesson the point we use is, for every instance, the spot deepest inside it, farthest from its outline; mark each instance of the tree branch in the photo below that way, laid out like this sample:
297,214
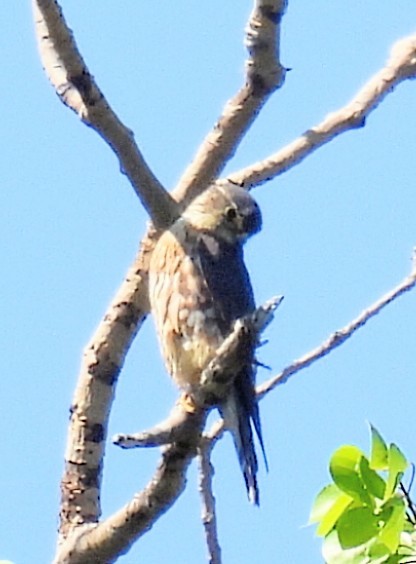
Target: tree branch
400,66
169,431
102,361
335,340
264,74
114,536
234,353
339,337
104,355
208,514
78,90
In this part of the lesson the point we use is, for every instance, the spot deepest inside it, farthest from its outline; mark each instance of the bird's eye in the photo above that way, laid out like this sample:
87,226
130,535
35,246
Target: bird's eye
231,214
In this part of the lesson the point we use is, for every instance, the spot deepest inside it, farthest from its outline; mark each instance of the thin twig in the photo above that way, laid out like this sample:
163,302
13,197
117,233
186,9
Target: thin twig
400,66
339,337
334,341
234,352
410,505
208,514
169,431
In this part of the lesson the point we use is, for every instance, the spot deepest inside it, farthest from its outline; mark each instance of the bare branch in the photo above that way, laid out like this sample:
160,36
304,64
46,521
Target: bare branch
102,361
340,336
264,74
104,356
114,536
400,66
78,90
208,515
335,340
171,430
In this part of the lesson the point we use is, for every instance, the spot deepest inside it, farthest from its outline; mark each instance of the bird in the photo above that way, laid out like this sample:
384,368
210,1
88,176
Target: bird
198,287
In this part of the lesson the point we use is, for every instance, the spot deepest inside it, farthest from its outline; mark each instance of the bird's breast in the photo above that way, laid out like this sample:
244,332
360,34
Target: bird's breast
183,308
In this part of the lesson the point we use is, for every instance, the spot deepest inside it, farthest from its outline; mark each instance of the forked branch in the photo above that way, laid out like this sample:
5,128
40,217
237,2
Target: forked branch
82,539
104,355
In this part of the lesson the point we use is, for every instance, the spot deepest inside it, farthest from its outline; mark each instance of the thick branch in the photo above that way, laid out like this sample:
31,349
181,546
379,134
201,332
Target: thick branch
102,361
400,66
264,74
114,536
78,90
105,354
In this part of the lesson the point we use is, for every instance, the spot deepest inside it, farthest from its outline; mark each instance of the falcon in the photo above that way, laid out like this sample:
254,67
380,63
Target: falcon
198,287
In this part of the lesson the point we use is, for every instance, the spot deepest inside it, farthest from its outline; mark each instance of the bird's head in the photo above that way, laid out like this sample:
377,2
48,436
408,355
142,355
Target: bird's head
229,213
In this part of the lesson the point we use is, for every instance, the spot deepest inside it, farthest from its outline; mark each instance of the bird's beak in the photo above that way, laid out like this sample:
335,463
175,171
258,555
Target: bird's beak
251,222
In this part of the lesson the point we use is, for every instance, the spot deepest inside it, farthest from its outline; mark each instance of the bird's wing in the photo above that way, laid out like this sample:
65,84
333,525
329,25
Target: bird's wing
227,278
229,283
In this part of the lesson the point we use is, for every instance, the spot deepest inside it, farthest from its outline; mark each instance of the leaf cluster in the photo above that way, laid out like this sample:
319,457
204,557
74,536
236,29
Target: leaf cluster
365,515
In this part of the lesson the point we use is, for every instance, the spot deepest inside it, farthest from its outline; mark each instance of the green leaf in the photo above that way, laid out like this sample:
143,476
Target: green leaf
323,502
379,451
408,527
357,526
393,527
333,552
374,483
378,552
344,467
397,465
361,515
333,514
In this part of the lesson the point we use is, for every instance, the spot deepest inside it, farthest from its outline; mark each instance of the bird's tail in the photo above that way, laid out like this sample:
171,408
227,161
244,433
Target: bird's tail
240,411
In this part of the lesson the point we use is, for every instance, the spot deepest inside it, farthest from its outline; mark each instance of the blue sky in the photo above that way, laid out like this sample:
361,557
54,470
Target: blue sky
338,233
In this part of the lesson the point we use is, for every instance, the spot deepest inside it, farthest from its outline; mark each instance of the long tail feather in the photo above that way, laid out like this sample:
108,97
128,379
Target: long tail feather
240,411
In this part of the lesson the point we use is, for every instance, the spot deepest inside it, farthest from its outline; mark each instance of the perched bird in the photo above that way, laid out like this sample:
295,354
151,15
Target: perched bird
198,287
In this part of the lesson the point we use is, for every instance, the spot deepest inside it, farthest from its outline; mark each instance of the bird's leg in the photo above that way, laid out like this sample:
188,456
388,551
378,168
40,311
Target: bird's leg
187,402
